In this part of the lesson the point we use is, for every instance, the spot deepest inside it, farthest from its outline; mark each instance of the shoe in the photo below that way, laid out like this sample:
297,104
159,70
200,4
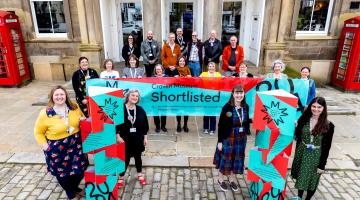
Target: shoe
233,186
206,131
120,182
211,133
157,130
141,179
178,128
164,129
186,129
81,193
223,186
295,198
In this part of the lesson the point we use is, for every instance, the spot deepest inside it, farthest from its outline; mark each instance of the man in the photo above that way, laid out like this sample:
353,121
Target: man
180,41
213,49
170,53
232,57
195,55
150,51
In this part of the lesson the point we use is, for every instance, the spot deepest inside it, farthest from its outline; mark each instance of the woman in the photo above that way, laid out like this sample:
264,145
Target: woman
184,71
159,73
79,80
109,72
134,71
305,75
314,133
130,48
57,131
209,123
234,125
243,73
134,133
278,67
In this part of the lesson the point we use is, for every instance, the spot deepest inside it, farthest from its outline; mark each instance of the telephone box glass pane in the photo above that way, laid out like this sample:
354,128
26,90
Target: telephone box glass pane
344,59
131,15
50,16
3,68
231,19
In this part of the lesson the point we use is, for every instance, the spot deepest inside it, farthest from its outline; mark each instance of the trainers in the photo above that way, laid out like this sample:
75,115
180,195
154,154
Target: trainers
164,129
178,129
211,132
206,131
157,130
186,129
223,186
233,186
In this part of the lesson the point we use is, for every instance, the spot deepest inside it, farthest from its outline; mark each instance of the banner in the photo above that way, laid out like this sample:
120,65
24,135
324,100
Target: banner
199,96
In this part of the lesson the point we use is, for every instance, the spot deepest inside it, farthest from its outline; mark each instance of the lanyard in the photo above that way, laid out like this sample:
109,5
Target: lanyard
131,74
65,118
87,74
131,118
131,49
240,116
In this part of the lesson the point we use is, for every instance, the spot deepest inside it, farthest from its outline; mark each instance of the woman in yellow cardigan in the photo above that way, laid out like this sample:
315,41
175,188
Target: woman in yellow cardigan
209,124
57,131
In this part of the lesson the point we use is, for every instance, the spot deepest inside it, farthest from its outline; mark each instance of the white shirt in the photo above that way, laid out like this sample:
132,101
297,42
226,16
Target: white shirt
110,75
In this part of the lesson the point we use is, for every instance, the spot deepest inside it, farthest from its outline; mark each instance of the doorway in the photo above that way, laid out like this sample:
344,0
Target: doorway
181,16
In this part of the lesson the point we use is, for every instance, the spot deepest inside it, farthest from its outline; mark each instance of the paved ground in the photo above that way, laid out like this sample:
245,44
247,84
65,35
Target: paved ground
31,182
181,163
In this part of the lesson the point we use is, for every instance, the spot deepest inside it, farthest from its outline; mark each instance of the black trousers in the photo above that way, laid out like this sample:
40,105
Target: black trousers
159,123
71,184
149,69
178,119
138,162
309,194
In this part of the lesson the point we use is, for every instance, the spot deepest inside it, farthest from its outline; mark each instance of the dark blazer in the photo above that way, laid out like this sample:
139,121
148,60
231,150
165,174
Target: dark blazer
78,82
183,46
325,142
212,52
126,53
225,125
199,45
134,142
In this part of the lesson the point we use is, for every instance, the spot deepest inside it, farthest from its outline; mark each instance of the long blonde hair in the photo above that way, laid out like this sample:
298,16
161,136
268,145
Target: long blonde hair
70,105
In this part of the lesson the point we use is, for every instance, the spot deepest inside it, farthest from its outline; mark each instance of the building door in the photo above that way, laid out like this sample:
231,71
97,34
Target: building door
187,14
119,19
181,16
231,21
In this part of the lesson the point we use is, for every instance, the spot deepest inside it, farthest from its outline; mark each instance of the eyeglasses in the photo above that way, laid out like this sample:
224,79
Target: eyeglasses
194,35
130,38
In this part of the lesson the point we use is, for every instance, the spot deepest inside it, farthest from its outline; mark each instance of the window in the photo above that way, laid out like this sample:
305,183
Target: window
231,19
314,16
49,18
132,24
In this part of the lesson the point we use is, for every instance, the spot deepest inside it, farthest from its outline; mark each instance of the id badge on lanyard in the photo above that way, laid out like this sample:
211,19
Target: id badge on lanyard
241,128
132,119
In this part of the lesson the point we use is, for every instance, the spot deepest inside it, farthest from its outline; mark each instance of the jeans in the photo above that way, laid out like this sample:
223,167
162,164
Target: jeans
209,120
195,68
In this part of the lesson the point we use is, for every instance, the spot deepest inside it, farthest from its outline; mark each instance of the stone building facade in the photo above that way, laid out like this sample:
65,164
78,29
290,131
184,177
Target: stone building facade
301,32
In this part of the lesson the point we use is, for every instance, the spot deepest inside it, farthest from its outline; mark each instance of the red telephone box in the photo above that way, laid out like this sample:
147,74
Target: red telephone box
346,72
13,63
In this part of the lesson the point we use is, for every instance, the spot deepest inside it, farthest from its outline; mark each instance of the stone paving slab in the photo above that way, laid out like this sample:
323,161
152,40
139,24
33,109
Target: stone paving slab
24,181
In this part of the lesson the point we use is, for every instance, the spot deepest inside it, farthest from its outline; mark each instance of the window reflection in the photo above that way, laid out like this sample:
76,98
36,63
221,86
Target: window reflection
131,16
230,21
50,16
312,15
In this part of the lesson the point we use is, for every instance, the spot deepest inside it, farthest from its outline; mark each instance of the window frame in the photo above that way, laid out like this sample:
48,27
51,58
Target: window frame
48,35
327,23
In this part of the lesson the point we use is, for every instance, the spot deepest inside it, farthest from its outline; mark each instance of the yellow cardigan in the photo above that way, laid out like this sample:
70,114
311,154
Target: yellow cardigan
206,74
54,128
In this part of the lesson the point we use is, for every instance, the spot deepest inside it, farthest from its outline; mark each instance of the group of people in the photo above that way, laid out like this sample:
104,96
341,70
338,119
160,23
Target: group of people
57,127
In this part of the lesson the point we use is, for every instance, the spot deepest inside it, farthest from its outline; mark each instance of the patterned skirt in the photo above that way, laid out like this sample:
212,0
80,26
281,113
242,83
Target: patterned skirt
232,156
65,157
